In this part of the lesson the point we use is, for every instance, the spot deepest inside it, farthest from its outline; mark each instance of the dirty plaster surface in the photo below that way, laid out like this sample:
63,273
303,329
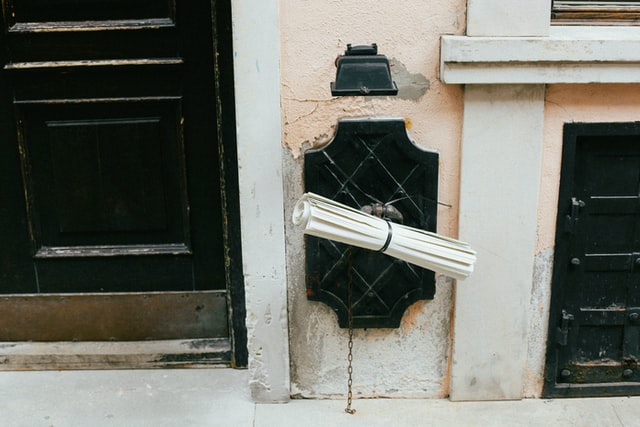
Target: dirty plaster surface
220,397
413,360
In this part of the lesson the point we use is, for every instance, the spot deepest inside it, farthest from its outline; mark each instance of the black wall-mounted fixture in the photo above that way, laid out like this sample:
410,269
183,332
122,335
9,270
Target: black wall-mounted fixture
362,72
371,164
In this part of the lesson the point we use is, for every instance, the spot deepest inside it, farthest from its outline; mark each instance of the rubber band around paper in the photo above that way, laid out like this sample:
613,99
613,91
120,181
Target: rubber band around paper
389,235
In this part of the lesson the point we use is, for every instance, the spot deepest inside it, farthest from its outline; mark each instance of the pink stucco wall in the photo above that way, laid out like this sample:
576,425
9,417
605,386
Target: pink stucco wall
412,360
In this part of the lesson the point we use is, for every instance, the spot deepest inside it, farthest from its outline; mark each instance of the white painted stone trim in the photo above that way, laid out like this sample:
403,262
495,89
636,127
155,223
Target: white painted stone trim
500,173
567,55
256,45
500,177
508,17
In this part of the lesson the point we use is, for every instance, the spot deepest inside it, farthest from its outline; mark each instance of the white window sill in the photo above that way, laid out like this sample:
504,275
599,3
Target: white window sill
577,54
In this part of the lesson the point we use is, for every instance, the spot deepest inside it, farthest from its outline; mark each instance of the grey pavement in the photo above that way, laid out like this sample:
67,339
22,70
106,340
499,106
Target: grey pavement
219,397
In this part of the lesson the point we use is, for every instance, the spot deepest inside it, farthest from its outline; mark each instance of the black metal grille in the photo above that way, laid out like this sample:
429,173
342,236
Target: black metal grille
368,162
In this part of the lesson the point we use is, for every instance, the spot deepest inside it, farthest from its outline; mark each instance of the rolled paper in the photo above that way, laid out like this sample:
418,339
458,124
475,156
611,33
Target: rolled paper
328,219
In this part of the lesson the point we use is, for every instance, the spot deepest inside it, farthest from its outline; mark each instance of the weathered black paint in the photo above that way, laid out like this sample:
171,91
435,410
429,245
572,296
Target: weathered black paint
117,149
593,337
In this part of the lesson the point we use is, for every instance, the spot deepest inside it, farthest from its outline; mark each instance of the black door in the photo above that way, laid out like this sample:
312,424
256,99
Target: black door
594,328
112,170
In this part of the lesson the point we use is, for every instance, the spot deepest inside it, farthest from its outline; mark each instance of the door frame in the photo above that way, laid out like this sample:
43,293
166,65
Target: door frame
229,176
571,132
256,45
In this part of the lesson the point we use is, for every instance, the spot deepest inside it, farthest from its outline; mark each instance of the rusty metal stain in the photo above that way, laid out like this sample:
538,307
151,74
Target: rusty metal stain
410,319
114,316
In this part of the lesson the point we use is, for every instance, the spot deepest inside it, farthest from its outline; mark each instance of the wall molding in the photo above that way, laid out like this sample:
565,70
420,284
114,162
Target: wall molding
566,55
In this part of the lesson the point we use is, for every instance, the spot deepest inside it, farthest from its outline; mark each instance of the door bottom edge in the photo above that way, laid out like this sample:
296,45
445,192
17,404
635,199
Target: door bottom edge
619,389
105,355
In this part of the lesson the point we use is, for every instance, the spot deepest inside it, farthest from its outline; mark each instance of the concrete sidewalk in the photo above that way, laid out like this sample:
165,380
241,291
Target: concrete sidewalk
219,397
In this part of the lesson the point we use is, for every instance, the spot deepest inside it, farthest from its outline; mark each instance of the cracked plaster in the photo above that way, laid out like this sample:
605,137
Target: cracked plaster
413,360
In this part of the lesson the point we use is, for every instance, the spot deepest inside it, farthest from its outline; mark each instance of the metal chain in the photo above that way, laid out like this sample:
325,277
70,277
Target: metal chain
348,409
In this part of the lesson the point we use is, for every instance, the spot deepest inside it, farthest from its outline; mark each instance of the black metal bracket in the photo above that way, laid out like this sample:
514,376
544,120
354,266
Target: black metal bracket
371,164
362,72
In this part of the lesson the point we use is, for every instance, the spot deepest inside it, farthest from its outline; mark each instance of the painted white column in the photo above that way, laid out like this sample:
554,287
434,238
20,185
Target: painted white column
500,176
256,44
501,154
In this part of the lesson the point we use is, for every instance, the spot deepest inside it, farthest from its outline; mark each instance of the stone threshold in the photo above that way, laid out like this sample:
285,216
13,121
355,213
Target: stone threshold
185,353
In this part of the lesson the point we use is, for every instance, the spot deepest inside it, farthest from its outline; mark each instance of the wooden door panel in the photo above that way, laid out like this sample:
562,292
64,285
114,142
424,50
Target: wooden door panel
611,168
131,84
613,205
598,289
41,31
608,263
95,10
105,173
596,355
34,48
607,233
110,160
107,156
143,273
107,179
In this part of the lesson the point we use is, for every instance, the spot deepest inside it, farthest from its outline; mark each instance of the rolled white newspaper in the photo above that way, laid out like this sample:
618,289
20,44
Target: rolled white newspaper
325,218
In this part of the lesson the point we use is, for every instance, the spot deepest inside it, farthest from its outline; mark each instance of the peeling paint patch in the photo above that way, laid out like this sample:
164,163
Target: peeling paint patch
410,86
411,319
538,323
267,315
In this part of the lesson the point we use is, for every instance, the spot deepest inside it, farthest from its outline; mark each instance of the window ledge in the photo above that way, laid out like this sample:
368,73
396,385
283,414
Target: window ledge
567,55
